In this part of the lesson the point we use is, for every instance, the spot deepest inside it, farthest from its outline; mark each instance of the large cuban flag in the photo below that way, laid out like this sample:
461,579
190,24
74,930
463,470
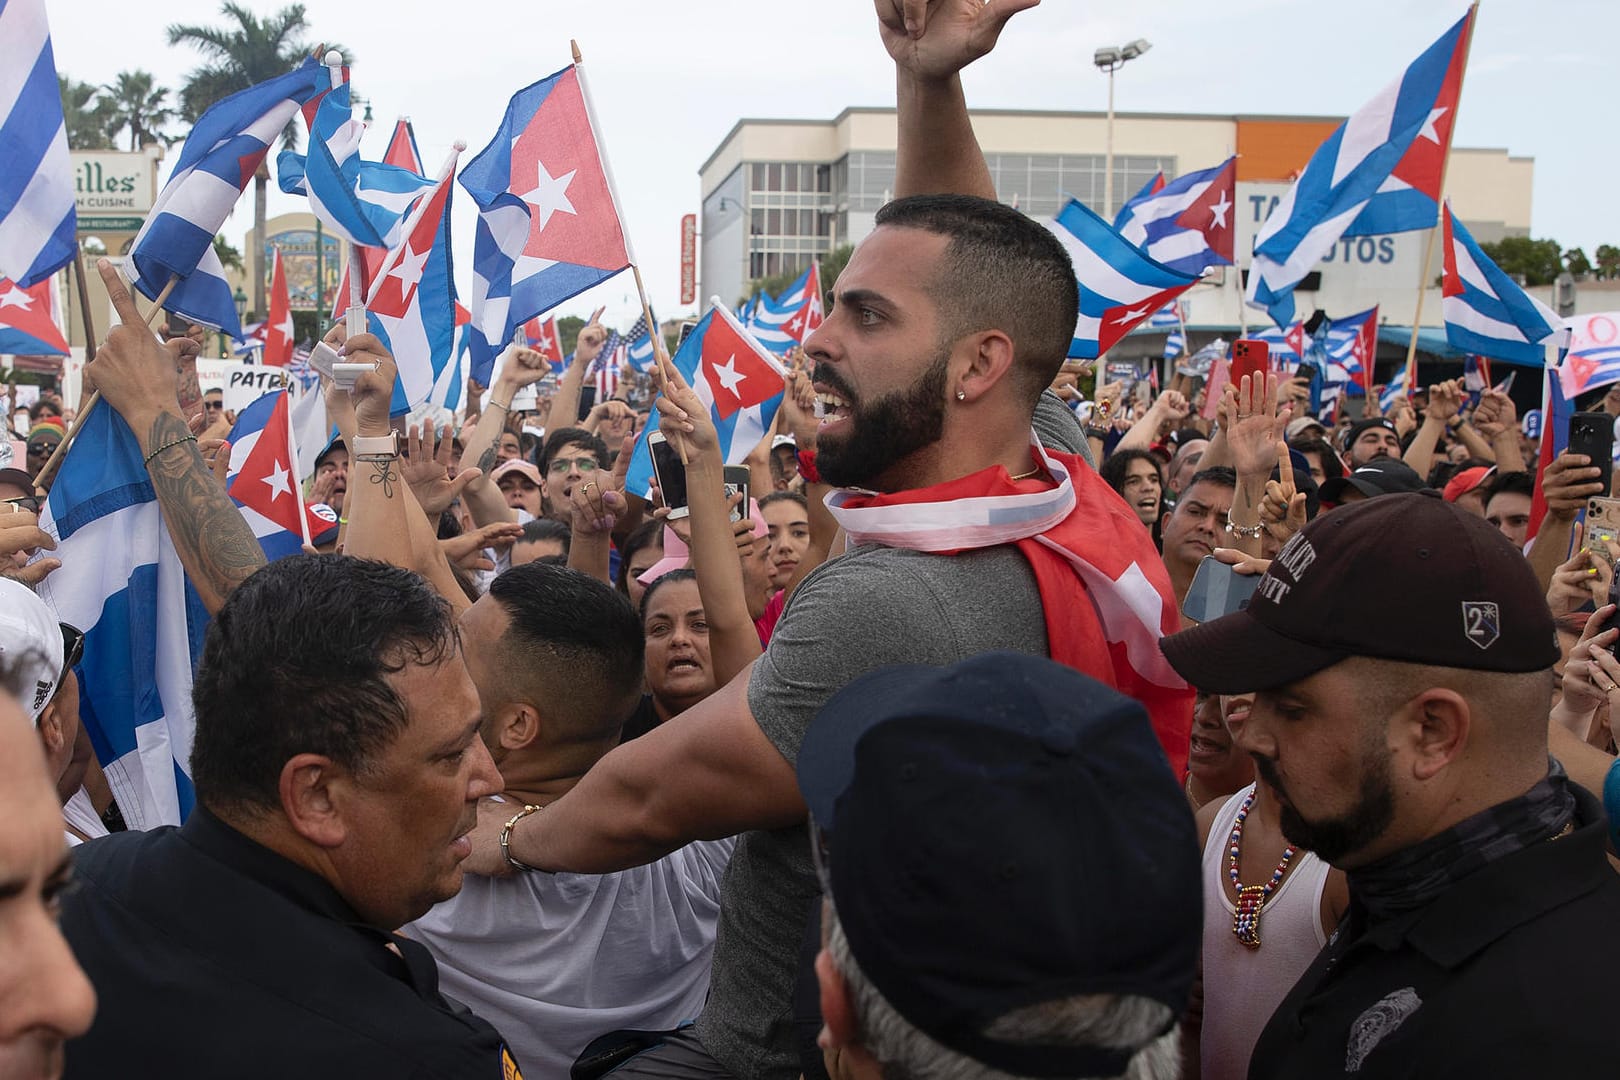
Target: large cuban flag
220,156
548,228
739,381
122,584
1485,310
1378,173
1120,286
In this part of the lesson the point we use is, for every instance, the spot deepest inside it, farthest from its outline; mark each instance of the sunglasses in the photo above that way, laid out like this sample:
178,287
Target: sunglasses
30,503
72,646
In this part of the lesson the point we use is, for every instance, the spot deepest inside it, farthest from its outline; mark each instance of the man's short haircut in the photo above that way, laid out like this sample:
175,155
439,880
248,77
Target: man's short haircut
541,529
578,437
1219,475
1515,483
574,647
1002,270
1100,1020
784,496
296,662
1332,464
1117,467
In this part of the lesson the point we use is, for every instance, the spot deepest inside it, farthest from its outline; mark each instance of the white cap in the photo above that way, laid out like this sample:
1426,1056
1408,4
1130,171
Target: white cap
31,642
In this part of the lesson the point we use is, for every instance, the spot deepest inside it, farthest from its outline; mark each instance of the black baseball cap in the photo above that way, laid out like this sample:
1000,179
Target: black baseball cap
1368,424
1380,476
1000,833
1406,577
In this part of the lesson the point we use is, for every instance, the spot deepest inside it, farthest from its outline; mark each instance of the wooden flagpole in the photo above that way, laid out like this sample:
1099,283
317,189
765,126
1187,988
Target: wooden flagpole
1440,207
88,404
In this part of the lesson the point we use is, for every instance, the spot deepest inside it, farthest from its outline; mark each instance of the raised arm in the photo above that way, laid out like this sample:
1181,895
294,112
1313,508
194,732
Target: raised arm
137,377
931,42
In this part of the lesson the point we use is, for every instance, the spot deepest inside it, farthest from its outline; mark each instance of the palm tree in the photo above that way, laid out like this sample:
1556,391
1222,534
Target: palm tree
88,115
139,106
248,50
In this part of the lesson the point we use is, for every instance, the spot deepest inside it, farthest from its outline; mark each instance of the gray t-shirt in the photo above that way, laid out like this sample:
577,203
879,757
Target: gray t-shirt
871,607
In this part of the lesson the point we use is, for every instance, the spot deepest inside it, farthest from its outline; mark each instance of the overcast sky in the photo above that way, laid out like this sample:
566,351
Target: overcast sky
670,79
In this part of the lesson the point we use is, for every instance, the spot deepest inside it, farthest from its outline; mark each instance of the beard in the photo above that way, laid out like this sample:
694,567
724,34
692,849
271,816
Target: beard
1334,838
883,432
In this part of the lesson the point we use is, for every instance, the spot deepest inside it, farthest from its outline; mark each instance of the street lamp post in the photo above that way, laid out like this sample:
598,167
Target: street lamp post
1110,59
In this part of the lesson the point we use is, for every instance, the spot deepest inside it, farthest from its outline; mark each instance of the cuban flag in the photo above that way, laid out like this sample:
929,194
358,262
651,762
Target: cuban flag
219,158
1187,224
548,226
1594,353
739,381
27,327
1378,173
412,304
1152,187
263,478
37,220
801,303
364,202
278,333
1486,311
402,154
639,345
143,623
1119,285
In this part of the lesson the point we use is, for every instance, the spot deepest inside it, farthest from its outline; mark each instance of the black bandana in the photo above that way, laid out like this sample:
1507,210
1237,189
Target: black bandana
1410,878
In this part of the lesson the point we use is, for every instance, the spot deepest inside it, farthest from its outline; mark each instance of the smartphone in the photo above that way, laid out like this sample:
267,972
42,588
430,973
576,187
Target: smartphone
1217,590
1603,527
1592,434
671,474
1250,357
736,478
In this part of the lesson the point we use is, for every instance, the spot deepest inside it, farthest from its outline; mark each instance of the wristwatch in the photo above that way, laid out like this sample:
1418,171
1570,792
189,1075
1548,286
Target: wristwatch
375,447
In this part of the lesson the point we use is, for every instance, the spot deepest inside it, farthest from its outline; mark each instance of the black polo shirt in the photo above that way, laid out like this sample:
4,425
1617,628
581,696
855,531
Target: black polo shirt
1505,974
213,956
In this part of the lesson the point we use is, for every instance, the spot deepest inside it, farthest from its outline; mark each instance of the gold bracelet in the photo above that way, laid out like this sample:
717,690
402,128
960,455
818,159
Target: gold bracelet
506,841
168,445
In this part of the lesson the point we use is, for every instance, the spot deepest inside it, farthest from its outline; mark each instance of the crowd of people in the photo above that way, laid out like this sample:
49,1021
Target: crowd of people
937,753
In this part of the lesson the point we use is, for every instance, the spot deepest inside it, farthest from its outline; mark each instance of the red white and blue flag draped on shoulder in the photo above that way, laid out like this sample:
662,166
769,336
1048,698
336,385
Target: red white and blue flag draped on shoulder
739,381
1380,172
1486,311
264,477
37,220
143,622
27,325
1188,223
548,228
1120,285
220,156
1077,535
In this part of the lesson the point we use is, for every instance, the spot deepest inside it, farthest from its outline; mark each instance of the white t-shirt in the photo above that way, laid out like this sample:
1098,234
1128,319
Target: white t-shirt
556,960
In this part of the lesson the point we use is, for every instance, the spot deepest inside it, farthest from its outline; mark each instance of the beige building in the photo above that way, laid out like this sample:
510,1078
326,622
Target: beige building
777,192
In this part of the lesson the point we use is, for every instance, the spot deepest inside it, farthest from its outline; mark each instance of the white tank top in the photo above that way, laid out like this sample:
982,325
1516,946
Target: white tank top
1243,987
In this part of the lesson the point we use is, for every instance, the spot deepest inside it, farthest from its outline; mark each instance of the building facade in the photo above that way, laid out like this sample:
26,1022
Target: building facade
776,193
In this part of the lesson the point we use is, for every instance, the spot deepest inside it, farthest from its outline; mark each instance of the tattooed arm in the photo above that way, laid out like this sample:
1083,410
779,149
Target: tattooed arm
136,377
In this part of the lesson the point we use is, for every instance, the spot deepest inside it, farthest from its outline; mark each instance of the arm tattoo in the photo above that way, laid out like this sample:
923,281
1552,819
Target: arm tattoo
214,542
486,461
384,474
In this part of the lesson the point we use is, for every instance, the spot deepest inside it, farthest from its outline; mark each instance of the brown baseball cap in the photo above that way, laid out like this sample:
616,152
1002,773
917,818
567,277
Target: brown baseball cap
1402,577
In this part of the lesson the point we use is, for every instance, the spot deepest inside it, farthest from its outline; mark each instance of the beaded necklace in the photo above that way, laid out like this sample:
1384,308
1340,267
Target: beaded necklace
1251,899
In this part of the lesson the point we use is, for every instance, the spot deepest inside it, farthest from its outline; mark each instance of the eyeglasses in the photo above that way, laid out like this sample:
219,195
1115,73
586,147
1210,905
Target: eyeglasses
72,646
560,466
30,503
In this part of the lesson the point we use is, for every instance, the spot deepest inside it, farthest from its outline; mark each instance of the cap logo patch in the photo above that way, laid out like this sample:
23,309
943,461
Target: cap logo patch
1482,622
